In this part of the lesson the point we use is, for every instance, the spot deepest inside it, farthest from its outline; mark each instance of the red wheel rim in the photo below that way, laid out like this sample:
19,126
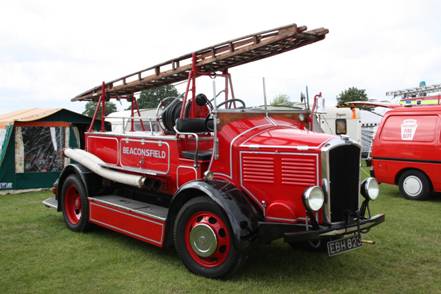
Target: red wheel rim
72,204
212,226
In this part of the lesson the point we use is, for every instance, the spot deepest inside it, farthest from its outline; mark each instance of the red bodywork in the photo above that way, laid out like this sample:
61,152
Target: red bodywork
273,159
138,226
408,138
213,177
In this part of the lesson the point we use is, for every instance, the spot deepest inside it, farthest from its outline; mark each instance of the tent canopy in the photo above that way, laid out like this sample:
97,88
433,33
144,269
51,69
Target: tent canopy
26,115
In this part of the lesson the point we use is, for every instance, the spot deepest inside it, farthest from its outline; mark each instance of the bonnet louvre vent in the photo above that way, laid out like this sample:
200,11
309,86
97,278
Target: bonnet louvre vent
299,171
258,169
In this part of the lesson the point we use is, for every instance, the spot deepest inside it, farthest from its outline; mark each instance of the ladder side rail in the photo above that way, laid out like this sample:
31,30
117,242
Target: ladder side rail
211,55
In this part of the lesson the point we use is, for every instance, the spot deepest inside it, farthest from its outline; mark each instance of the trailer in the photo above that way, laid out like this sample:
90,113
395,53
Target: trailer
217,176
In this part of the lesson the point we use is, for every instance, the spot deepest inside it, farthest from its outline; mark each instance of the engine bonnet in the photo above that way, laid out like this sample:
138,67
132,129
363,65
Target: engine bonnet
287,137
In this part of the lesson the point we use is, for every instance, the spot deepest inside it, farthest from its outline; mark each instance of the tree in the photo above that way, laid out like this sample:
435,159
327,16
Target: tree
281,100
150,98
91,105
351,94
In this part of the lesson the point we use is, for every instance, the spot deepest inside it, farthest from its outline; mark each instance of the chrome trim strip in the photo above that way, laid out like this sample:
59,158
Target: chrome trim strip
282,219
184,166
298,147
270,119
324,159
222,175
260,110
137,135
255,135
324,154
350,229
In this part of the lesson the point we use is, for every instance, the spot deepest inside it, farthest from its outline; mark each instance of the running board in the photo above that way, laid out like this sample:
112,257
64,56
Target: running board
143,208
51,202
140,220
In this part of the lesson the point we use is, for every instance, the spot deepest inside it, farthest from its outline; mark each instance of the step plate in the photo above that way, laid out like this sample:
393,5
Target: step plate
147,209
51,202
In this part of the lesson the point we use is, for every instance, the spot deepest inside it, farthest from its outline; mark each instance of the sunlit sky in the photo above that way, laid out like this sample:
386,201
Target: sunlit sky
51,51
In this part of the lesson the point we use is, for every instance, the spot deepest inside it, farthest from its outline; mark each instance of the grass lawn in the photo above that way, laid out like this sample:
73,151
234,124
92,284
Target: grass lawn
38,254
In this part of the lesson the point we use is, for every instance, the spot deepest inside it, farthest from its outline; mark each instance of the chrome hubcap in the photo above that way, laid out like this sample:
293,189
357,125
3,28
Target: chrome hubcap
412,186
203,240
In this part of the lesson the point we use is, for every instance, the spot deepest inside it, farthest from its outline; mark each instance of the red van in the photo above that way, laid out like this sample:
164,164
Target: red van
407,150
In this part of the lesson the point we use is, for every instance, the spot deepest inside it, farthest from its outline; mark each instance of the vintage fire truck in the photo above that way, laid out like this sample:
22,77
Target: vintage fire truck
216,176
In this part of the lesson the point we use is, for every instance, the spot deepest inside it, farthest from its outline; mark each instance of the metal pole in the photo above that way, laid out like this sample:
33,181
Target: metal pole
265,103
184,100
97,107
103,110
225,74
214,89
132,113
214,112
307,98
193,85
139,113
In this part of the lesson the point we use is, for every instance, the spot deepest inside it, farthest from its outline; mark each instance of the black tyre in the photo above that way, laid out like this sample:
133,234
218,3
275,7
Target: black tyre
204,240
75,205
414,185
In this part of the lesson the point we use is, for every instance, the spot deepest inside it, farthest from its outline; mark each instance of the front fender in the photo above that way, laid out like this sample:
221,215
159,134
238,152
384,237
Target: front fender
89,180
241,213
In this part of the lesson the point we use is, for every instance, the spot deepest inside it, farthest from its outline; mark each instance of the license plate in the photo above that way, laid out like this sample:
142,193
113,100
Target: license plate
345,244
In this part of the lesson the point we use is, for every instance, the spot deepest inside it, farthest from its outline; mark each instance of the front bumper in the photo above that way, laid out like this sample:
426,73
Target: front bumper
269,231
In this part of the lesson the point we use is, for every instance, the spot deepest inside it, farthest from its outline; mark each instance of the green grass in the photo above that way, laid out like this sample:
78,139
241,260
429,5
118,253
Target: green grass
38,254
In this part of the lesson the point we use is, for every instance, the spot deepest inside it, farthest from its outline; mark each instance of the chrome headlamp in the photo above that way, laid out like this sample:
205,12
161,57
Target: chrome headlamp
370,189
313,198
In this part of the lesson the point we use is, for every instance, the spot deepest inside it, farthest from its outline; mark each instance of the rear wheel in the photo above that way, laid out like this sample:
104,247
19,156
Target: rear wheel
414,185
75,204
204,240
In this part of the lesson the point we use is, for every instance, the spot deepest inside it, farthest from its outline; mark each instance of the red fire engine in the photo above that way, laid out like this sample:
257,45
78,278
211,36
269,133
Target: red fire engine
216,177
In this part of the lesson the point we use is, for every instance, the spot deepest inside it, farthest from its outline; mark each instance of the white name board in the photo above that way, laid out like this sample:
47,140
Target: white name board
408,129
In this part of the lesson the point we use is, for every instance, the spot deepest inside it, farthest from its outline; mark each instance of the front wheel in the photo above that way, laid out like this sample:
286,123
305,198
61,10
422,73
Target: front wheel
204,241
75,204
414,185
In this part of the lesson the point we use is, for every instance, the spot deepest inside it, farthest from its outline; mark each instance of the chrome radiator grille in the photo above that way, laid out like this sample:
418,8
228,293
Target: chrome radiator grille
344,172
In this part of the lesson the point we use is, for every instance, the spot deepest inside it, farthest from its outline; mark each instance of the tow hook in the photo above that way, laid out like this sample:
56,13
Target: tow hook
371,242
